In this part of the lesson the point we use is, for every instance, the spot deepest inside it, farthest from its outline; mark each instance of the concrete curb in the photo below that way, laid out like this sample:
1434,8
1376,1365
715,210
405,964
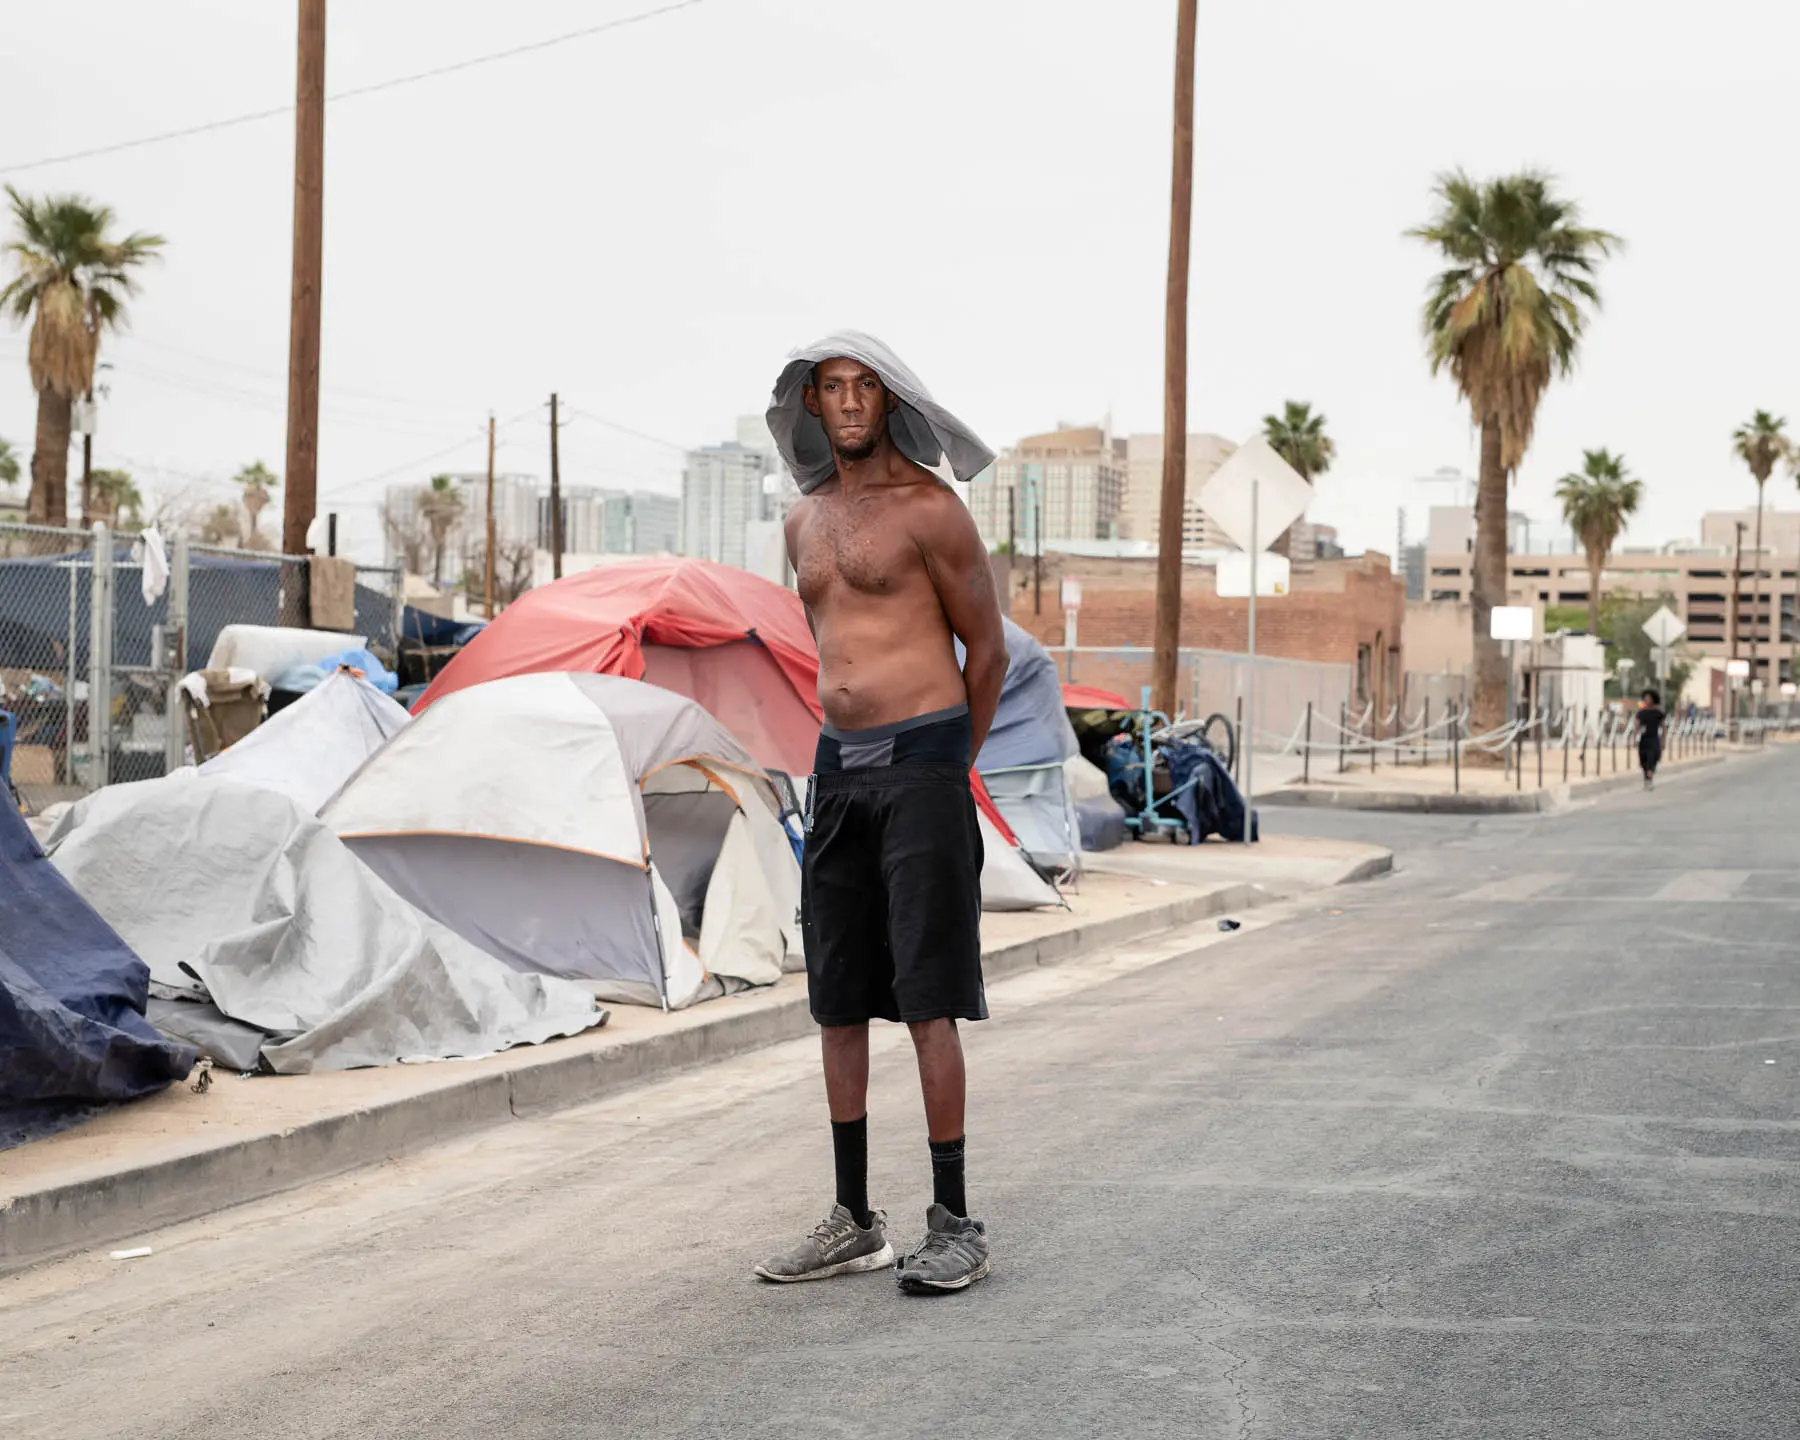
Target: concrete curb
1526,802
50,1222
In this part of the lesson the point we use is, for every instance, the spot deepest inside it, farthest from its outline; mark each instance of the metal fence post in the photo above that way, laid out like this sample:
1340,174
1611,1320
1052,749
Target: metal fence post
1237,750
99,701
1425,735
1343,732
175,749
1456,747
1306,753
1537,743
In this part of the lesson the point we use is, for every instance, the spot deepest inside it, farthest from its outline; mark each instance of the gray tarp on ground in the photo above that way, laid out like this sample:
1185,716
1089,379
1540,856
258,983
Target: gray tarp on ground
240,894
922,430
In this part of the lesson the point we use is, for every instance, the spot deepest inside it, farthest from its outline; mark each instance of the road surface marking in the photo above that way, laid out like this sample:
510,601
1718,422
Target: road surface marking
1703,885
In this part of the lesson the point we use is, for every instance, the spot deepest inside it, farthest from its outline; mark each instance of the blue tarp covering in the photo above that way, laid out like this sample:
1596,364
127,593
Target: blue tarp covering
420,627
73,1037
35,629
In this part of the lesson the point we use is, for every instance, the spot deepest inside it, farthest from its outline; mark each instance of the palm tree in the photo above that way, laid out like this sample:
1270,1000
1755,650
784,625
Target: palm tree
442,507
9,463
1505,315
1597,502
115,498
72,283
221,524
1759,444
1298,436
258,480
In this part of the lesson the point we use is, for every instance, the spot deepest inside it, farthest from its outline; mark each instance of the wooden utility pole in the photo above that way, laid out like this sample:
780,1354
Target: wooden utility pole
301,482
1174,475
556,525
488,585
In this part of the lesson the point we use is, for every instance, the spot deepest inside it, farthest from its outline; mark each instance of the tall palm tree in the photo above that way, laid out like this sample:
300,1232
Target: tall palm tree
1298,436
1759,443
1597,502
9,463
257,481
442,507
72,283
1505,316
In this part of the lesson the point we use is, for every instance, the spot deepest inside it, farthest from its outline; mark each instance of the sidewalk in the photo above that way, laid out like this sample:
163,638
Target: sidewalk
1434,788
179,1155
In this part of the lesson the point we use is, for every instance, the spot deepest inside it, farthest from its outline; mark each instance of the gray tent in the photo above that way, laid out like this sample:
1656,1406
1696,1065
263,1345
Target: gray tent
237,895
1021,762
586,826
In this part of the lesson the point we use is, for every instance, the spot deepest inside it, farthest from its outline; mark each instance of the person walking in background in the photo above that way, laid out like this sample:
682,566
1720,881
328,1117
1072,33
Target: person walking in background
1650,728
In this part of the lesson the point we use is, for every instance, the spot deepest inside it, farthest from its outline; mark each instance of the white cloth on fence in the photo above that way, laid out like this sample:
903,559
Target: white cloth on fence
151,554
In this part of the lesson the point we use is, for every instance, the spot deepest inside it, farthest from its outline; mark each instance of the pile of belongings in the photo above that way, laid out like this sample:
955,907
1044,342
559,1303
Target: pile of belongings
1210,805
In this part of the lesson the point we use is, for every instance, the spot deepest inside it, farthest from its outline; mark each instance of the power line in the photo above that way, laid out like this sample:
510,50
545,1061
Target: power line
627,430
451,449
397,81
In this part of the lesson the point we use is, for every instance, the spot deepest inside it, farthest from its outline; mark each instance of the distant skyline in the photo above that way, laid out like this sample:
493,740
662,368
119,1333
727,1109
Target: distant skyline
647,220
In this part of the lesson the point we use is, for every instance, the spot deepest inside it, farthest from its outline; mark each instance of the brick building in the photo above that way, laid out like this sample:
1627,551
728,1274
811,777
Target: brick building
1348,613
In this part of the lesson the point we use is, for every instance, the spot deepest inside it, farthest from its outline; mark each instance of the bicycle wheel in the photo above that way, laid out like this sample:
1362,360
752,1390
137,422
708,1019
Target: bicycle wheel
1218,736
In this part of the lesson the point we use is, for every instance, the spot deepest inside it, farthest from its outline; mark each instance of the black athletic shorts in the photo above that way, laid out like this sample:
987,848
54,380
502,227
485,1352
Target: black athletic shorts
890,885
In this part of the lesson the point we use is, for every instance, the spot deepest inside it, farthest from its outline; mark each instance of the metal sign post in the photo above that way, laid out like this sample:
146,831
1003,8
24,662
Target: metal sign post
1247,736
1253,490
1071,600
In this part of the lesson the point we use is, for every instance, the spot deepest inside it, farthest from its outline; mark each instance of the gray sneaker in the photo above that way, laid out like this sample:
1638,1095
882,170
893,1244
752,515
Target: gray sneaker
837,1246
954,1255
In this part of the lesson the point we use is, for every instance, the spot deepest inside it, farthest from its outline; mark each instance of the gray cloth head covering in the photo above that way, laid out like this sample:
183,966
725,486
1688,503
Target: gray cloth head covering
923,430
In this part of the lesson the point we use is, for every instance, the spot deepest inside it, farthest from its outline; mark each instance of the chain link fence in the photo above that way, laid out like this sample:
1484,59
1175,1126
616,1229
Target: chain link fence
89,662
1214,681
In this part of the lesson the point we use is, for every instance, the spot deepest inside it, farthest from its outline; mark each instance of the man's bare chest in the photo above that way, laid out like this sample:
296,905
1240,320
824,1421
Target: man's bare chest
867,549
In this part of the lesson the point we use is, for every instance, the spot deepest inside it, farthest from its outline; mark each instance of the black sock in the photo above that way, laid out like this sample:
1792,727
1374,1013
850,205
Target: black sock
947,1176
850,1146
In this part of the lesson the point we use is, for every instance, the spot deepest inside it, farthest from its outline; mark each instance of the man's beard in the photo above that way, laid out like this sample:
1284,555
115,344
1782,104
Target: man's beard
862,450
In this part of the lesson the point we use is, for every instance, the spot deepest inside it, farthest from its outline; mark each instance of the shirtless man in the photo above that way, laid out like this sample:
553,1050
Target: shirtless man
892,572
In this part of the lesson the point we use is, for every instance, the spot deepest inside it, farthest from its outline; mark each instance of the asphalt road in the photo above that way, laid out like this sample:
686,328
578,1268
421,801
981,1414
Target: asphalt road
1503,1146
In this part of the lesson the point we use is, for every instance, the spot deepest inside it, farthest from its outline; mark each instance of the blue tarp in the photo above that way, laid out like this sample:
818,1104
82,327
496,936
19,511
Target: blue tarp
73,1037
420,627
35,627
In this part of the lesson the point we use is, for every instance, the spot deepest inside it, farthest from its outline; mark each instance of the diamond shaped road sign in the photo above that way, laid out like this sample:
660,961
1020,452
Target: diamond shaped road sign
1665,627
1281,495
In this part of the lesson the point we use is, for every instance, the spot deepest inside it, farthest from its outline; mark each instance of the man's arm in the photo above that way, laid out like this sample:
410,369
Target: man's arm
957,562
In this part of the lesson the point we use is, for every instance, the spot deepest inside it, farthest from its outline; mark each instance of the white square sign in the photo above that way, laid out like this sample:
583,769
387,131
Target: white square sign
1233,579
1510,622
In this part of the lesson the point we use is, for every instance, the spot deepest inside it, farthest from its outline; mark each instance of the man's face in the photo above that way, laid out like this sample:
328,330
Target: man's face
852,404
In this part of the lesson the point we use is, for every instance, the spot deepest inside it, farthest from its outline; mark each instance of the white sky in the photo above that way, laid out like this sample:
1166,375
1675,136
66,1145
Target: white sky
648,219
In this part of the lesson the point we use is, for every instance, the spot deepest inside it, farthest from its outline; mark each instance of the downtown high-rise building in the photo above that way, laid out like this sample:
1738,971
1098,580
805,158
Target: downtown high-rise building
1142,518
731,496
613,522
1068,484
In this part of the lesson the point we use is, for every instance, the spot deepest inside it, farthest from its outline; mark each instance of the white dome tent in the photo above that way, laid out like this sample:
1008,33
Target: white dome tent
586,826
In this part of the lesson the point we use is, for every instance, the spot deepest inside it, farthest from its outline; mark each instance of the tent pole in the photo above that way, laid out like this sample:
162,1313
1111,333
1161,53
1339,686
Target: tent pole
662,958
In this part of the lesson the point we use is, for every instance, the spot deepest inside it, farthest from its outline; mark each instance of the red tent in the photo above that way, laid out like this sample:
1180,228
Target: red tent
730,640
1086,697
